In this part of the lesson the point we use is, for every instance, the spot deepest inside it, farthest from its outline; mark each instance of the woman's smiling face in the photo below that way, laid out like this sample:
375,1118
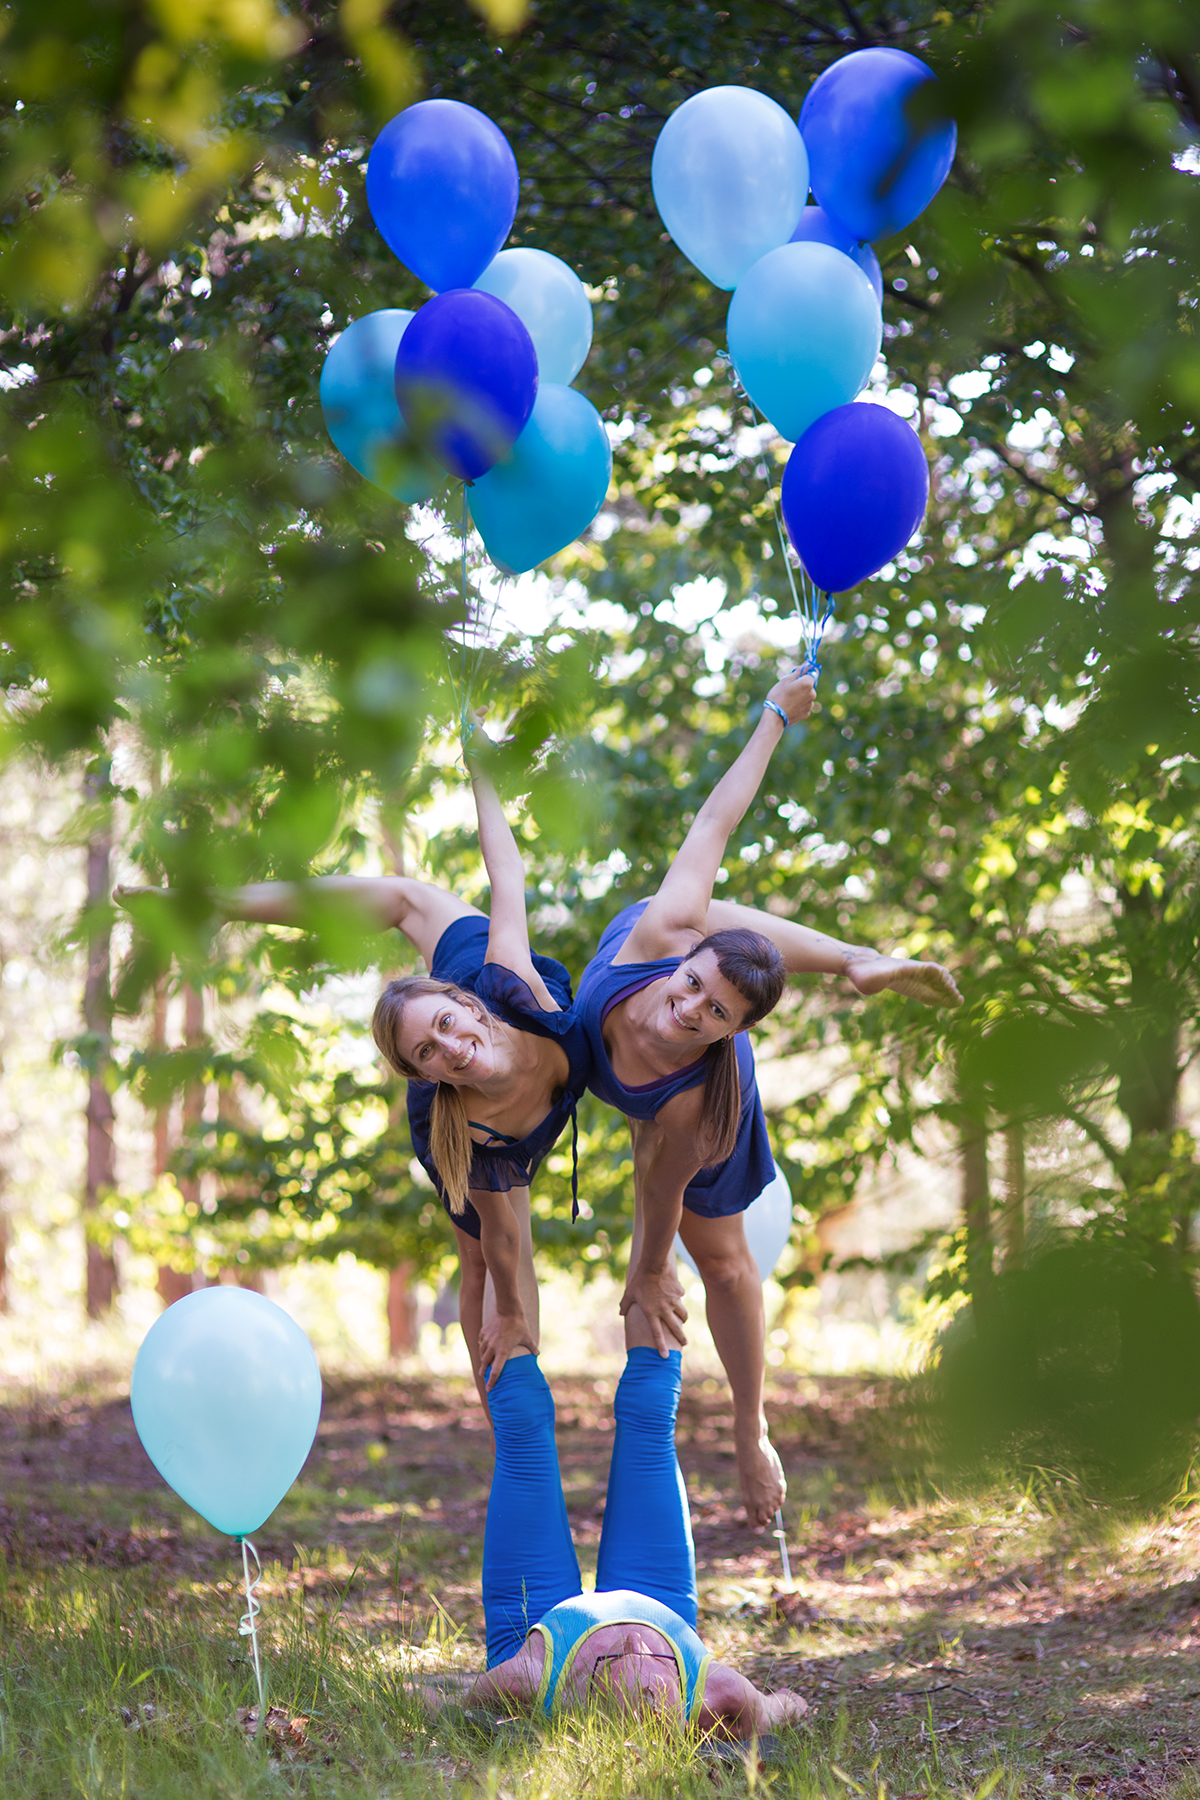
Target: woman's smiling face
444,1040
697,1005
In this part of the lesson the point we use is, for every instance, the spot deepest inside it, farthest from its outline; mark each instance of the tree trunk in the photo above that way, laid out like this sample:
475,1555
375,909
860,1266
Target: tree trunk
1014,1194
401,1300
401,1311
172,1284
101,1275
976,1202
193,1112
1148,1090
3,1250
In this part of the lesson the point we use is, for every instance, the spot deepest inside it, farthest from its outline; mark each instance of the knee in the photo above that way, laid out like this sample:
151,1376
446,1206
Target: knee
648,1391
725,1270
521,1403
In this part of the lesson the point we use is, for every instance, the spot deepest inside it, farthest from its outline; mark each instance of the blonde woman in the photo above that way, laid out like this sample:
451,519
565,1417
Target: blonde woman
494,1059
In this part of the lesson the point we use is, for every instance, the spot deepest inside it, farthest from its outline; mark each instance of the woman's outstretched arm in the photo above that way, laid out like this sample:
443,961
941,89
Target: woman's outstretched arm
677,912
806,951
508,934
388,902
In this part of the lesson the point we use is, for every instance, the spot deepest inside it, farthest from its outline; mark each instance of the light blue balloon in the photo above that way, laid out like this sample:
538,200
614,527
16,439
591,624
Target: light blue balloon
804,332
730,176
767,1223
358,399
226,1396
552,304
551,488
816,227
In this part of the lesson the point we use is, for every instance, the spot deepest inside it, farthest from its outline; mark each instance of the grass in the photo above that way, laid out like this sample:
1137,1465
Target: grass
1003,1643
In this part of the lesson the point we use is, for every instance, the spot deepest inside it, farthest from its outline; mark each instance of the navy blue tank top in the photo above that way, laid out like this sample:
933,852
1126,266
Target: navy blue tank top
723,1188
504,1162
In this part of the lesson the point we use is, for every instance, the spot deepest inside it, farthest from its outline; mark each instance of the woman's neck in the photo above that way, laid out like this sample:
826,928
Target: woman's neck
516,1060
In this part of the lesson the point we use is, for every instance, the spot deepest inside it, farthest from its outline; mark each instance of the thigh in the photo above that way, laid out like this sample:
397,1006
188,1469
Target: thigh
428,912
714,1243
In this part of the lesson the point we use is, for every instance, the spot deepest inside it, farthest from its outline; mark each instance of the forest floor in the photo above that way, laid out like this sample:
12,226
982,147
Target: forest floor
946,1644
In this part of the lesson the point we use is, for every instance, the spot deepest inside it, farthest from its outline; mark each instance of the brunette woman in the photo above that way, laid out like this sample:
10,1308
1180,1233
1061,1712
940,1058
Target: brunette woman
666,1003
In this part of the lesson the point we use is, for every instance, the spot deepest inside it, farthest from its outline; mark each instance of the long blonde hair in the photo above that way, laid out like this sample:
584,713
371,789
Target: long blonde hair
450,1138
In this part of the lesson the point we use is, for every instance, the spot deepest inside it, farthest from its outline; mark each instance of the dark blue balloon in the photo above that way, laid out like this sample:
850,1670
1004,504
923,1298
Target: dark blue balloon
466,379
816,227
870,167
442,187
854,491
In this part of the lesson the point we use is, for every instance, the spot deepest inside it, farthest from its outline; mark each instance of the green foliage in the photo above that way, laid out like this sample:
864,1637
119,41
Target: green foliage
1004,770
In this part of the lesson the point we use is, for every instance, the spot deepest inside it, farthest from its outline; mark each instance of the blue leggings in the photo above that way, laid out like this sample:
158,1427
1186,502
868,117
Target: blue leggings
529,1561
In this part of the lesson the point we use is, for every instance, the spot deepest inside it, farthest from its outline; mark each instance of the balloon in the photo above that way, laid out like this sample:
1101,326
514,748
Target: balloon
871,166
768,1225
804,331
466,379
552,486
442,187
550,301
226,1396
730,175
358,399
854,491
816,227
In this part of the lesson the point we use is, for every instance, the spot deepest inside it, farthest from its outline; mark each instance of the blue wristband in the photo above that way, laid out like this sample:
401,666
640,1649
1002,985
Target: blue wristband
770,706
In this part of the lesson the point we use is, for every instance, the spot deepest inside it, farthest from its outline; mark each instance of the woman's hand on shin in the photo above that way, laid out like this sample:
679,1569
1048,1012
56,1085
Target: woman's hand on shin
501,1335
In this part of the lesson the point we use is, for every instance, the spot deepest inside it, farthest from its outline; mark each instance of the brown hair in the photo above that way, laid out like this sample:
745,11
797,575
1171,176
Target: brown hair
755,968
449,1130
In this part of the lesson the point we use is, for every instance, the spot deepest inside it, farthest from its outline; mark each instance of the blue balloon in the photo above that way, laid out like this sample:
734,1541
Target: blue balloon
442,186
816,227
804,331
550,301
552,486
730,175
226,1396
854,492
871,167
466,379
358,399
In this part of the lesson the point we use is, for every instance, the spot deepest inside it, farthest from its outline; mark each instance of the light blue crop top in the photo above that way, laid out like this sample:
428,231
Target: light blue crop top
569,1624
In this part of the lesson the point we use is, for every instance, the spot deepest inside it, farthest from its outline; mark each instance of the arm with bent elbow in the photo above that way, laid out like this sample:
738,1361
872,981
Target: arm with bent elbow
664,1161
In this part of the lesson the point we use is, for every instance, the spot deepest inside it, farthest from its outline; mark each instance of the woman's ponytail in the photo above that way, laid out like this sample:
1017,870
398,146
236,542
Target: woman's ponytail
722,1101
450,1144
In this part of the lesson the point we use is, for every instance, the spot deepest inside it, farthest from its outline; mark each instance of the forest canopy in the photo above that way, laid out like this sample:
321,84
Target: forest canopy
247,663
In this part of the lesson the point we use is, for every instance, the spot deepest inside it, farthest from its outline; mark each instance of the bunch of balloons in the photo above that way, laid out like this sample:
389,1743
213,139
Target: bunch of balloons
731,178
476,383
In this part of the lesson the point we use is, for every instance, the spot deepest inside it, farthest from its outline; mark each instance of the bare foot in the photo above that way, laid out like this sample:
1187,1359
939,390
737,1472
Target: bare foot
760,1473
928,982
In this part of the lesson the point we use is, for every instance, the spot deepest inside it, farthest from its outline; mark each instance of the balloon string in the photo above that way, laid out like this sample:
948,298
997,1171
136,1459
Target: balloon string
811,617
247,1626
783,1549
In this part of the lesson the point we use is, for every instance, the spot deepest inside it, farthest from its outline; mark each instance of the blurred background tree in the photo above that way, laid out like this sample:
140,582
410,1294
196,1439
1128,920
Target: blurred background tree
1004,769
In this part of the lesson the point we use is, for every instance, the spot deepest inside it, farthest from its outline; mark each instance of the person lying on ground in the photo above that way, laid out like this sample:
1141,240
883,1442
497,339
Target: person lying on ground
633,1642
